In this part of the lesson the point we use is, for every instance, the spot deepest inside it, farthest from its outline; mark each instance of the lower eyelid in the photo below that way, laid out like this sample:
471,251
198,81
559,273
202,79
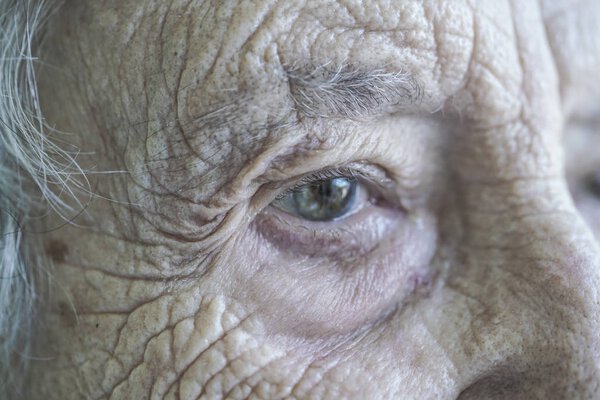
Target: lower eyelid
356,281
357,234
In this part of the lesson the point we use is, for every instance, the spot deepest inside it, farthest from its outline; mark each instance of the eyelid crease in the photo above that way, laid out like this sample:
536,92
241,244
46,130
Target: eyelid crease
323,175
376,179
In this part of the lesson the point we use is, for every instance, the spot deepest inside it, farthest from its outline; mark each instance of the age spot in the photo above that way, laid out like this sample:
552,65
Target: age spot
57,250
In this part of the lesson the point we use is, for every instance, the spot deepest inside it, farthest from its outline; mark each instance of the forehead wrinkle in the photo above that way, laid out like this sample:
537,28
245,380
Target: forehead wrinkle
233,116
242,109
317,94
321,93
236,120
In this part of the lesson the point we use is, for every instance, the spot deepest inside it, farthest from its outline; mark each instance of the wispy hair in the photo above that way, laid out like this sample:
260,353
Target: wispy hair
33,171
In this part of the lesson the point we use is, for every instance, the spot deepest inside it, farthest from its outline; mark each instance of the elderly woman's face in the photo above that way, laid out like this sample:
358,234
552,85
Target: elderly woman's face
325,199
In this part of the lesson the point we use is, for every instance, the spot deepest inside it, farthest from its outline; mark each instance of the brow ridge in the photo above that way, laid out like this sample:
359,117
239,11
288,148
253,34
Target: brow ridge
350,92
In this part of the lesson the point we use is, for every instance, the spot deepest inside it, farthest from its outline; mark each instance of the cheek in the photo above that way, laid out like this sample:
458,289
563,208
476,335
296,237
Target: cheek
338,287
180,345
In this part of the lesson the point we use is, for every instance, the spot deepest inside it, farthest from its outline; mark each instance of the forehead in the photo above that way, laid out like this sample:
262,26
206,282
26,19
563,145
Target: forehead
202,83
205,55
229,44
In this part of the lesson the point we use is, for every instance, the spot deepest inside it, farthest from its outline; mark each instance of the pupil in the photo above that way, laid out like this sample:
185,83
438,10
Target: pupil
325,200
326,190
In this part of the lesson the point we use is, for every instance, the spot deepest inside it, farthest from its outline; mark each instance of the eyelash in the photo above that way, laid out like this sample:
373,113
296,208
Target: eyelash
323,175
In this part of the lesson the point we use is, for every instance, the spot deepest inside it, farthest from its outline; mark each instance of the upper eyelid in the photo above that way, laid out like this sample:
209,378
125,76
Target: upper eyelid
329,173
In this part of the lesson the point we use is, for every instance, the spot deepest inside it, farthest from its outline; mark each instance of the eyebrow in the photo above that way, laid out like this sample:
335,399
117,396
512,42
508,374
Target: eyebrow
325,92
350,92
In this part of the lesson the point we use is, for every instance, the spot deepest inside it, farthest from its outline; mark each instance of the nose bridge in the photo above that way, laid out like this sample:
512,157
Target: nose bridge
533,222
525,243
515,204
533,269
527,262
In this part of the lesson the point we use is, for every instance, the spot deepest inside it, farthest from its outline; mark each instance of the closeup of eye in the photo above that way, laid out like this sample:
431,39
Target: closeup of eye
347,210
335,194
353,237
323,199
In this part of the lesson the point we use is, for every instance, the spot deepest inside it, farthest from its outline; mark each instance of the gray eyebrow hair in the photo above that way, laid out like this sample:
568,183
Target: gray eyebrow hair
344,92
350,92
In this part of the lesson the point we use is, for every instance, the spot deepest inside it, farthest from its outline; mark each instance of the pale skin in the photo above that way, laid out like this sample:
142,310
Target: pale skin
478,276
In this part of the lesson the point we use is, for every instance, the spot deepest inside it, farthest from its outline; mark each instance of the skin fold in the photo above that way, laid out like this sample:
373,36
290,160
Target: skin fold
472,270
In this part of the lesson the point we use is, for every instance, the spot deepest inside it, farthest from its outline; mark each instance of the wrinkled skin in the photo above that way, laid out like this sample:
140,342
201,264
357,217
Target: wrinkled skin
478,279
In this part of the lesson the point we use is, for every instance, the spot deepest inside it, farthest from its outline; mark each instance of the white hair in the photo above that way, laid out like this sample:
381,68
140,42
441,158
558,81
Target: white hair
33,171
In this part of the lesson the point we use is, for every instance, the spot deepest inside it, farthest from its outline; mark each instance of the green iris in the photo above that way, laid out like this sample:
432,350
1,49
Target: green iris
325,200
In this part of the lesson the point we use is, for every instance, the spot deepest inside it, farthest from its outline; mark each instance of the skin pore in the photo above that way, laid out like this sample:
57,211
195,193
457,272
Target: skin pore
464,271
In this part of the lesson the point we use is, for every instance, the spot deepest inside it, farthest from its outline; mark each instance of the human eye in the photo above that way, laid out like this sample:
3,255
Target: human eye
334,212
325,196
357,237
